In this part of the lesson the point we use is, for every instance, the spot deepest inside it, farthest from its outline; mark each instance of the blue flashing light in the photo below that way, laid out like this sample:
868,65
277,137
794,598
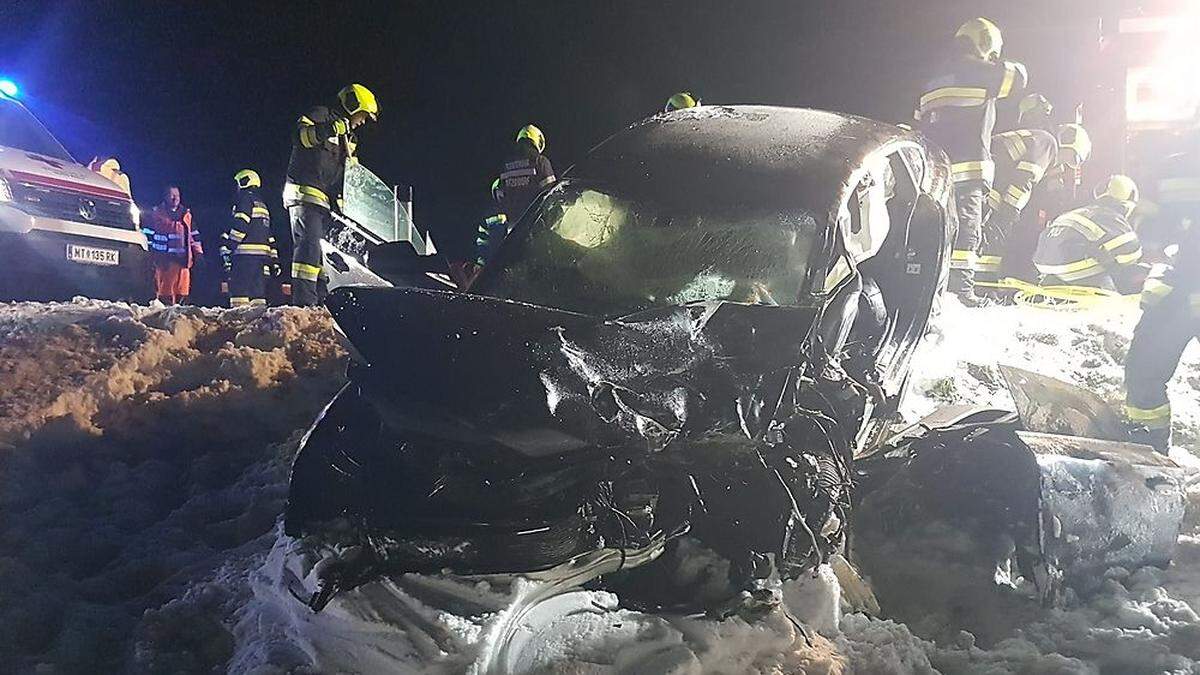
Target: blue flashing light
9,88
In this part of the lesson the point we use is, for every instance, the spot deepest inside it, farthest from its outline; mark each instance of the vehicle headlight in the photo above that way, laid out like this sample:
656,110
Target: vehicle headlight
5,192
136,214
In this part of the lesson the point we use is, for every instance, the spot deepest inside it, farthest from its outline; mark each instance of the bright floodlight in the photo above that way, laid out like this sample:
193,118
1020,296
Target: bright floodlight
9,88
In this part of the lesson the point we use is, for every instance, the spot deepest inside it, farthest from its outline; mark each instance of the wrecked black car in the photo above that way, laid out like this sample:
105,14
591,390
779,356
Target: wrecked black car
688,338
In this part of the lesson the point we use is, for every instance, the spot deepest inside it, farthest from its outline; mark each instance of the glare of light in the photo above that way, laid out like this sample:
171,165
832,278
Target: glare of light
9,88
1168,88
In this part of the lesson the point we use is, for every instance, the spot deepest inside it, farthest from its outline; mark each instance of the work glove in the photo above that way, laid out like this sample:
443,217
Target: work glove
341,126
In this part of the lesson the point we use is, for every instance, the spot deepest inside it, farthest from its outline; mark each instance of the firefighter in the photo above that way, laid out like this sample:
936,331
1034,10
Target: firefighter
493,229
248,248
958,111
526,173
1023,157
1094,246
684,99
1035,112
1170,320
323,140
174,247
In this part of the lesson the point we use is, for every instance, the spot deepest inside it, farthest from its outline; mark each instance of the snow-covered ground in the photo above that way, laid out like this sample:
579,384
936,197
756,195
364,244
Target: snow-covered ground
143,464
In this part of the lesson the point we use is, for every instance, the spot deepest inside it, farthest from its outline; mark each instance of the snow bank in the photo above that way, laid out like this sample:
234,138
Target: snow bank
144,456
141,450
958,364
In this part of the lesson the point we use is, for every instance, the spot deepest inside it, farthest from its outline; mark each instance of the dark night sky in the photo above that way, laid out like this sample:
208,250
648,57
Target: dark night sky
191,92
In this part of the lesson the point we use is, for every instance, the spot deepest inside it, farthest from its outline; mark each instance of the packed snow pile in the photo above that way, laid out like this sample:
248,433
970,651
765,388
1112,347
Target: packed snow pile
144,461
140,450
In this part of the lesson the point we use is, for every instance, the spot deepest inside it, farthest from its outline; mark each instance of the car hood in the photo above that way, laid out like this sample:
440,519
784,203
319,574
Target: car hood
542,381
55,173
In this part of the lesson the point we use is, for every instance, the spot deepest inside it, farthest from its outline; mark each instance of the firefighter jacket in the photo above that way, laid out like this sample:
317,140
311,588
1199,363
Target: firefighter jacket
1022,158
250,232
1090,244
489,236
170,235
958,111
318,160
523,177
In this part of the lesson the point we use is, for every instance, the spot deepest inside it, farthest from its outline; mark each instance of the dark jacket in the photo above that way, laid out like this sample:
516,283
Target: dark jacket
1022,158
1090,246
958,110
318,160
522,178
250,231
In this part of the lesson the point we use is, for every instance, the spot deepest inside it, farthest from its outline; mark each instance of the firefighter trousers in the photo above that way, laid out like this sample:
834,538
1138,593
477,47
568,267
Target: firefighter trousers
1159,340
247,280
309,224
968,200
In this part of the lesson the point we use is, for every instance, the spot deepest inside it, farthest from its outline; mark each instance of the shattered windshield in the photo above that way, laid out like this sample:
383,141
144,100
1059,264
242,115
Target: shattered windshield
20,129
590,250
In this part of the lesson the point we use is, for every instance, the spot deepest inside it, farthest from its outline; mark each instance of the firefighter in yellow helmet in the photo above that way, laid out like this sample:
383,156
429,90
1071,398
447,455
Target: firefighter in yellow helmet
526,172
957,109
1095,246
248,247
1023,158
684,99
1170,310
323,140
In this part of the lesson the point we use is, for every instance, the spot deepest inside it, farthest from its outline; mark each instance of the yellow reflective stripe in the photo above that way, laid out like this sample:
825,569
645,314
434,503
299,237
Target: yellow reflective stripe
239,301
305,271
963,259
1157,417
973,170
994,199
1010,78
1081,224
1089,265
1127,258
241,216
308,137
237,235
308,132
293,193
1032,169
1015,145
547,180
988,263
1119,240
253,249
963,97
1016,196
259,212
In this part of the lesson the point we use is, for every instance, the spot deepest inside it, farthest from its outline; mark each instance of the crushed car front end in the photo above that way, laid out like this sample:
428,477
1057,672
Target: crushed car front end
689,338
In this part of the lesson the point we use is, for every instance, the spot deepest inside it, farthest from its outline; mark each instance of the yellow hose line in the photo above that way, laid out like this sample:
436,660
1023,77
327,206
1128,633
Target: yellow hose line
1058,297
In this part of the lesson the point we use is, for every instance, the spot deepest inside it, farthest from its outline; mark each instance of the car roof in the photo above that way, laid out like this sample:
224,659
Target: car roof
739,156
